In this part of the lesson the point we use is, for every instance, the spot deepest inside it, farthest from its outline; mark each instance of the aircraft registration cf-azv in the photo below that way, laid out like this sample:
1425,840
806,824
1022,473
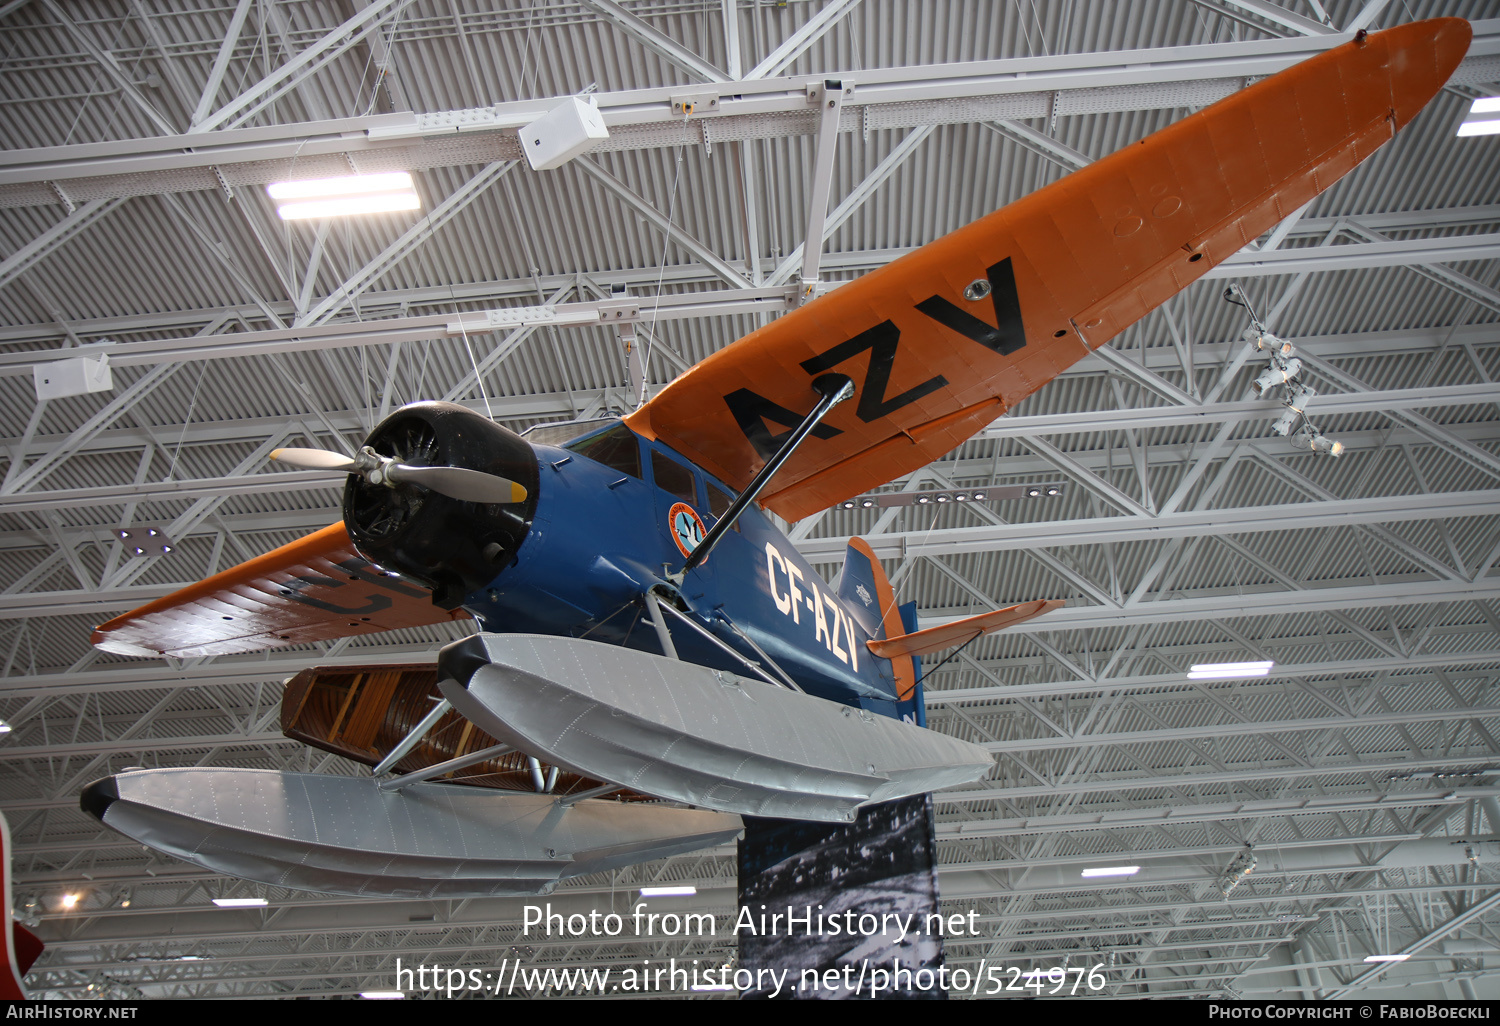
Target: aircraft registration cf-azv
643,628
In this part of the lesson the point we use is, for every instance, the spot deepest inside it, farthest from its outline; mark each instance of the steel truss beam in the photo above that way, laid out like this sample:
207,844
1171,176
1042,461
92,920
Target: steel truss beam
1183,524
1360,593
897,97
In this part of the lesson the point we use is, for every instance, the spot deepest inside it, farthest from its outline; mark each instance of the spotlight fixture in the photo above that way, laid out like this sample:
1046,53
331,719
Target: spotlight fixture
241,902
145,541
1241,866
684,891
1485,771
1229,671
1317,442
1483,119
340,197
1108,871
1285,367
70,901
889,499
1276,375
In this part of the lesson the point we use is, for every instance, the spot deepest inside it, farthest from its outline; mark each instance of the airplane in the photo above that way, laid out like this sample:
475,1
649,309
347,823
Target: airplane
642,626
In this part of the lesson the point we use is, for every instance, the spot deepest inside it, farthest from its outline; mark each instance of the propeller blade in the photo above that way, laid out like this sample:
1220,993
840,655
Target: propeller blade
313,459
460,483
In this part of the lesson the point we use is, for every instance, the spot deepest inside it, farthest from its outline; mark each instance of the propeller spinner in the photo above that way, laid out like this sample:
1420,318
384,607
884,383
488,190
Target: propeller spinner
455,482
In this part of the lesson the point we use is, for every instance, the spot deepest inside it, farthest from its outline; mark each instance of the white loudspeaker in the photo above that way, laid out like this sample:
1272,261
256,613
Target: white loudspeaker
77,376
565,131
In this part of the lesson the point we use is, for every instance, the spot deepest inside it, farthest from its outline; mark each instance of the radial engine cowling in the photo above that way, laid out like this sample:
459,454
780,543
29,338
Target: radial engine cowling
451,546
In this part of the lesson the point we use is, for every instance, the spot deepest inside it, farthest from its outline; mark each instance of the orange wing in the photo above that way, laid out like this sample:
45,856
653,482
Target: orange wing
945,339
316,589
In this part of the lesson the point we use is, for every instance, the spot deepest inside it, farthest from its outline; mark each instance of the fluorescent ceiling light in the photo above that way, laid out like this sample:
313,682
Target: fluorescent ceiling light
382,995
339,197
1223,671
1484,117
1386,958
711,986
668,892
349,185
240,902
5,728
378,203
1111,871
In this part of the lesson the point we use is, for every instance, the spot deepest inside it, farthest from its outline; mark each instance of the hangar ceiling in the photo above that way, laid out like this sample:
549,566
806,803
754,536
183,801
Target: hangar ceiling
138,135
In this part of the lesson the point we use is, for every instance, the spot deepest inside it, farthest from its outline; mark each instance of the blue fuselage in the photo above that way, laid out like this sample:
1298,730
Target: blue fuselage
606,532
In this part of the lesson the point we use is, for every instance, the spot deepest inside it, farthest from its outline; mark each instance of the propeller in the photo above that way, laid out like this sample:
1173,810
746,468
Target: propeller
454,482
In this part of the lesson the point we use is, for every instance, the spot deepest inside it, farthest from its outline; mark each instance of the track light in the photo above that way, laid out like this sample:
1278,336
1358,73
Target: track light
1286,422
1277,374
1241,866
1317,442
1266,342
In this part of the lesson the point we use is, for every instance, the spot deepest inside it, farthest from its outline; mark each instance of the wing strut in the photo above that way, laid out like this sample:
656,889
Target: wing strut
834,388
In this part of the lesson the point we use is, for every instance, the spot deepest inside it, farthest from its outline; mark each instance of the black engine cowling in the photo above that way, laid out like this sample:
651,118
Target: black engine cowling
451,546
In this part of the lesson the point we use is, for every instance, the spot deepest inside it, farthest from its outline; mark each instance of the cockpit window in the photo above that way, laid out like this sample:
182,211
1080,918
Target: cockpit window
718,500
617,448
673,477
564,431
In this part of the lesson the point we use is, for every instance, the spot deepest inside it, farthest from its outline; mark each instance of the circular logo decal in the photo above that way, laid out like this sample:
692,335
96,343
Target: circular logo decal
687,529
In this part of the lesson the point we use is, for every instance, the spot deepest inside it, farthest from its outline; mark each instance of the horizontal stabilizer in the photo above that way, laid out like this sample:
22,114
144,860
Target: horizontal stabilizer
343,835
691,734
959,632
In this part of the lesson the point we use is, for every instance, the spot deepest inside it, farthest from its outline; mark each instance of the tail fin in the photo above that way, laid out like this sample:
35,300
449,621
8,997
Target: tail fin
867,593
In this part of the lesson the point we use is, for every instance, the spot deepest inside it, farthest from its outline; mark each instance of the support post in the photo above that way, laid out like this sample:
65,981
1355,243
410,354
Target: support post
462,762
410,740
830,100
